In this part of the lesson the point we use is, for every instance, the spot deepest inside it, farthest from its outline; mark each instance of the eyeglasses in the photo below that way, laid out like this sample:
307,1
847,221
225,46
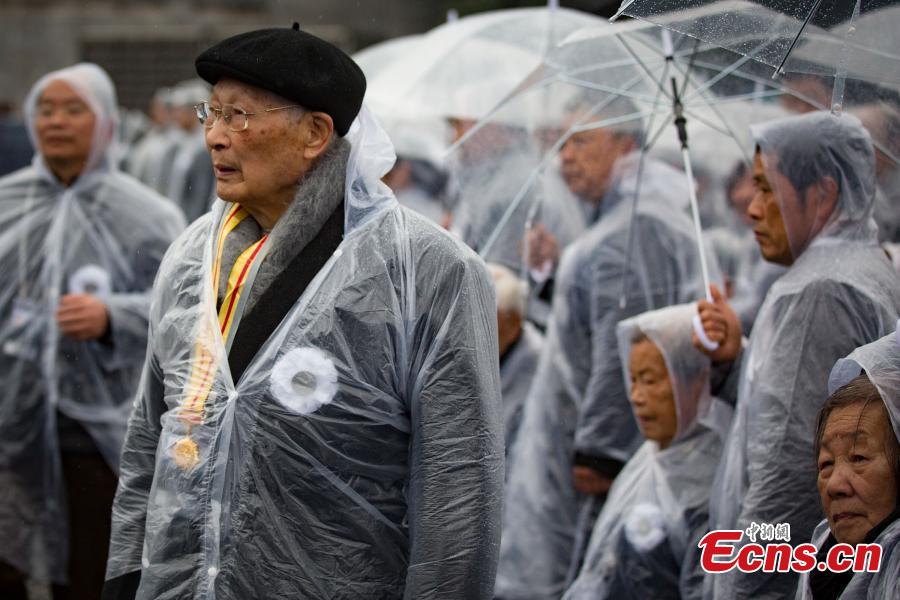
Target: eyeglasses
236,119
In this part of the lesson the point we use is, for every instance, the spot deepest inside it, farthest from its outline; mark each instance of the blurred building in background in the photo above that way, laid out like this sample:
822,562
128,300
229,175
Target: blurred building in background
147,44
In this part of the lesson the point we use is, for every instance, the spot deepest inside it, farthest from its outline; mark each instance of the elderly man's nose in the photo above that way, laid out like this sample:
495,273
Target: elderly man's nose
217,136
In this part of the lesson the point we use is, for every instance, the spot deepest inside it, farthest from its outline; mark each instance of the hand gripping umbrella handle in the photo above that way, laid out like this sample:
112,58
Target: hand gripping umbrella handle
701,335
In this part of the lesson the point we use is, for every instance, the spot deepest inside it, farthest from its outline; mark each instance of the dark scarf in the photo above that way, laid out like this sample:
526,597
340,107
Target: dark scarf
302,241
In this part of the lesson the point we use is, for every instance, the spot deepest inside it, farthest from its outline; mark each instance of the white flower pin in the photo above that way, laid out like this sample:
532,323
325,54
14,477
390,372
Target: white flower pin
645,526
91,279
304,380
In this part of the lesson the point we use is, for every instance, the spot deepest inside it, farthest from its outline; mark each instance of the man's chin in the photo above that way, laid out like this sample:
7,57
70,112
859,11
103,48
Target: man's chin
771,255
228,193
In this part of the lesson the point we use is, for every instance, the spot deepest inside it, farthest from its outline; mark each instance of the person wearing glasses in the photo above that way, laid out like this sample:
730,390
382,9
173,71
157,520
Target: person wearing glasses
320,411
80,244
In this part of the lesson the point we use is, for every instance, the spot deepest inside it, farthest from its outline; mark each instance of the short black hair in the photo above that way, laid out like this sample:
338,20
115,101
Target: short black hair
738,172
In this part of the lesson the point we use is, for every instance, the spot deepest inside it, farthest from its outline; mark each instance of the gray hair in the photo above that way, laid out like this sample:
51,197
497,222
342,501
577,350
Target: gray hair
511,292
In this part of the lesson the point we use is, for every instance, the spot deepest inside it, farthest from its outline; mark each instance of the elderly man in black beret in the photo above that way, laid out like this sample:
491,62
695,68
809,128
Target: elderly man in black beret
319,414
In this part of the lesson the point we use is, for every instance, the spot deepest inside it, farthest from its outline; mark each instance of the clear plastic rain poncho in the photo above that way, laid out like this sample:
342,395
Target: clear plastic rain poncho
644,544
104,235
578,402
881,362
841,292
360,454
517,369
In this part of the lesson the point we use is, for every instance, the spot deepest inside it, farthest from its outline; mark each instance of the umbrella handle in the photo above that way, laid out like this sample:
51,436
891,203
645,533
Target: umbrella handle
701,334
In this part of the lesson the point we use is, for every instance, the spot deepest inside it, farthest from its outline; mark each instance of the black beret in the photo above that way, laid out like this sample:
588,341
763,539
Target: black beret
293,64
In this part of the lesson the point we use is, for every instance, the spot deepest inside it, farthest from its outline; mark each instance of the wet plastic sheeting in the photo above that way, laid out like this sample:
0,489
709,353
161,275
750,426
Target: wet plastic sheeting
104,235
360,455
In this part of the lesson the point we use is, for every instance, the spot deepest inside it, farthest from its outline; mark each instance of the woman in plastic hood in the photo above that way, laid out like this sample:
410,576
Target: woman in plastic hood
644,544
858,456
80,244
812,212
577,427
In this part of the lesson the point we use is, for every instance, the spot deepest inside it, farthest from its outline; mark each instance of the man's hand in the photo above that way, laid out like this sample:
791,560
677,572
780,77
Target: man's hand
82,317
589,481
543,249
721,325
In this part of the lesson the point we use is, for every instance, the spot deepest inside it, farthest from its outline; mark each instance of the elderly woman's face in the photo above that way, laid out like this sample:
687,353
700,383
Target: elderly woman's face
651,393
856,480
263,164
64,124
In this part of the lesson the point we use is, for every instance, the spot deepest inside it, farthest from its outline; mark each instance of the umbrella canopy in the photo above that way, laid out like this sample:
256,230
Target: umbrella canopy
415,135
464,67
616,78
842,39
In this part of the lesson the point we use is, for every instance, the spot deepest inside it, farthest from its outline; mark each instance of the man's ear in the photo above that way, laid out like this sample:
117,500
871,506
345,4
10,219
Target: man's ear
318,134
828,199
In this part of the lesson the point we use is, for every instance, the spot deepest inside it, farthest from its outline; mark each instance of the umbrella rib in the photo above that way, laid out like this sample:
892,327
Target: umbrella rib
728,132
642,65
806,21
690,67
766,82
546,82
597,87
735,66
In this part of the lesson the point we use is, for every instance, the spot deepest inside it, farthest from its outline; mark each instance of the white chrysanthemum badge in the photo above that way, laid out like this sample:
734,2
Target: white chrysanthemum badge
304,380
91,279
645,526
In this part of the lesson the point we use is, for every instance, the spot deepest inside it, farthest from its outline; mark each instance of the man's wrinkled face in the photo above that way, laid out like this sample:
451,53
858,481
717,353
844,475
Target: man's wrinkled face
64,124
765,213
264,163
856,482
652,397
587,160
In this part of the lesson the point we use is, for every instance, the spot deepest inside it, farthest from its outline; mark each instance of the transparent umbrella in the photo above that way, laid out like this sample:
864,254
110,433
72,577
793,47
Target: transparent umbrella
852,39
416,135
464,67
616,78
